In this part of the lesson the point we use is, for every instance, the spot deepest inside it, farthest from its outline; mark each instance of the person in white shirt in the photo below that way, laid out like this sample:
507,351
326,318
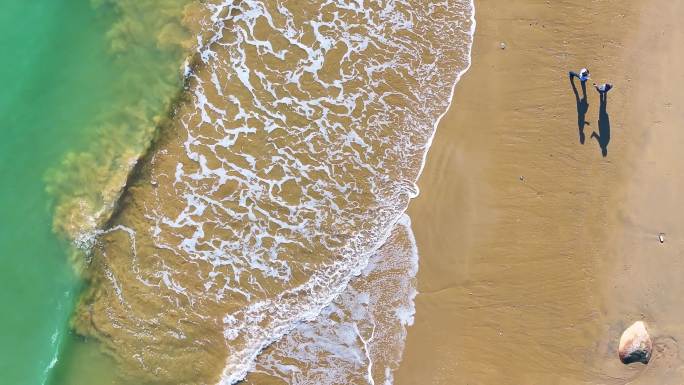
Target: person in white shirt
603,88
582,105
583,75
603,136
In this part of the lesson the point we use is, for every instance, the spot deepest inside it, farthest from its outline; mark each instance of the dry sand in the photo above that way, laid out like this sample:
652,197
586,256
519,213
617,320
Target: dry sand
532,281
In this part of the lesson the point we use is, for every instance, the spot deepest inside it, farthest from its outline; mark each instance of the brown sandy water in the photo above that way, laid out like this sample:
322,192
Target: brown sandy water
532,280
282,169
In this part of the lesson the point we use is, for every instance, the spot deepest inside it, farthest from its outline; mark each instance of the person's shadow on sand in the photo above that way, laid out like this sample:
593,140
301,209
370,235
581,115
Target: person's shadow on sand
603,137
582,107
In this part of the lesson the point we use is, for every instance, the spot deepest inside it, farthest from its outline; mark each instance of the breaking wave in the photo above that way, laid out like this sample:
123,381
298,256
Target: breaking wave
286,166
359,338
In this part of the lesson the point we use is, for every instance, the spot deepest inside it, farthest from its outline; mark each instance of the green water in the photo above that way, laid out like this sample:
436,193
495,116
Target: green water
55,77
67,81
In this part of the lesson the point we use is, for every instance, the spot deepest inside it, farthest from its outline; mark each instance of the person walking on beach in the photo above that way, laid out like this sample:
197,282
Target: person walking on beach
583,75
603,88
582,104
603,136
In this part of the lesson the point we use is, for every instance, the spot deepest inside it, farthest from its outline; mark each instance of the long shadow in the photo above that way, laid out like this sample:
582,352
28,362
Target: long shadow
582,107
603,136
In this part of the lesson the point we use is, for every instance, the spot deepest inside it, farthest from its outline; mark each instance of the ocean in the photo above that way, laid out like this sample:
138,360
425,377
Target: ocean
78,96
53,58
261,232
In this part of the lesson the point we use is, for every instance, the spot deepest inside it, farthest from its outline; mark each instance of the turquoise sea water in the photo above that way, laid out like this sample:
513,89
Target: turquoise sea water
55,77
60,84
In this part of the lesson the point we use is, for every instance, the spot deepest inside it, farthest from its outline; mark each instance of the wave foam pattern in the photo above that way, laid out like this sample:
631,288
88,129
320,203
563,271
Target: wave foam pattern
305,130
359,338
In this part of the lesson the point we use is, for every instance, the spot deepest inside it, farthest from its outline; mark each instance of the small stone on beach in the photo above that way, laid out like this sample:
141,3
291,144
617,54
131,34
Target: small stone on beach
635,344
661,237
502,45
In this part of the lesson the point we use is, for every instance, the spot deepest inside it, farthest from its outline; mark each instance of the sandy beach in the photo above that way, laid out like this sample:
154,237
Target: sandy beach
536,250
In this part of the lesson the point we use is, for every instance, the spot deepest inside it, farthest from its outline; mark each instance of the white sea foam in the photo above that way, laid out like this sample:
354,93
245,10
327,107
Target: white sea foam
359,338
239,364
56,339
308,133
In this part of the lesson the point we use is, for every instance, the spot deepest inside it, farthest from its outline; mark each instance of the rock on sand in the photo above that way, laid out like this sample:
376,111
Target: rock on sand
635,344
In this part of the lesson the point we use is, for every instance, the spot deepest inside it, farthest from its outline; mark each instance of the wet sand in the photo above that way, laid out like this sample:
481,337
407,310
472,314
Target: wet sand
536,250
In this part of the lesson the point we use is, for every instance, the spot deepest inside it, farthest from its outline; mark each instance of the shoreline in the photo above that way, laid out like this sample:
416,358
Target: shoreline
103,311
459,76
515,216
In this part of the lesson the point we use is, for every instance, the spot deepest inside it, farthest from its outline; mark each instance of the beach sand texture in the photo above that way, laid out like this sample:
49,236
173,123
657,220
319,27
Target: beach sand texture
531,280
